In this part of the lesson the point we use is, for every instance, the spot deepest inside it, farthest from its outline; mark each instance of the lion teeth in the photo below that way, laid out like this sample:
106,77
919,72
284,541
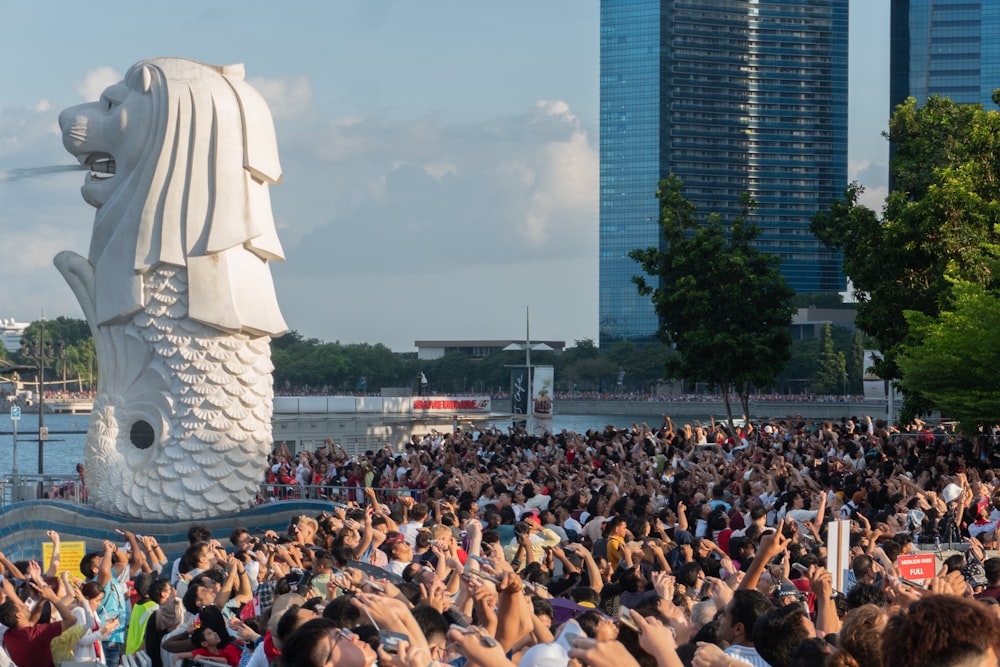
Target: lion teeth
102,165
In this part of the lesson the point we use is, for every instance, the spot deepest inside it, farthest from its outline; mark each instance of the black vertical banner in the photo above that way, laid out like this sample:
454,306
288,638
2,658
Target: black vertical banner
520,390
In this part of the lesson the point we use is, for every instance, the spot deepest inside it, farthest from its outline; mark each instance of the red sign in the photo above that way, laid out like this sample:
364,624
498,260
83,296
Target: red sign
451,404
917,567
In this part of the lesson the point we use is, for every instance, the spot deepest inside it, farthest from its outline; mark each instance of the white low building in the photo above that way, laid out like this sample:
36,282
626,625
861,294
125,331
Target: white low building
12,333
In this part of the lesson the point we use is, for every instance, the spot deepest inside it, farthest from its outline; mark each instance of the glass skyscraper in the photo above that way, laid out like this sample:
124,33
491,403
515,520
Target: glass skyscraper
730,96
949,48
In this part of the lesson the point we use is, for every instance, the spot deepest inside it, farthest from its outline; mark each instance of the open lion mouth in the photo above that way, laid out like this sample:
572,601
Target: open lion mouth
102,165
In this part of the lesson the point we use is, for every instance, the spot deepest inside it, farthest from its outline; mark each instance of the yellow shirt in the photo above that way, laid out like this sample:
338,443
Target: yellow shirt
616,545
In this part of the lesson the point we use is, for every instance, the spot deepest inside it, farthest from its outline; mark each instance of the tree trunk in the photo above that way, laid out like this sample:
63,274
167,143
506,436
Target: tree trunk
729,409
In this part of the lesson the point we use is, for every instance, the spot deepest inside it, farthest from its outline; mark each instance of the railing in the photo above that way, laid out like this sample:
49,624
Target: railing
270,493
69,488
40,487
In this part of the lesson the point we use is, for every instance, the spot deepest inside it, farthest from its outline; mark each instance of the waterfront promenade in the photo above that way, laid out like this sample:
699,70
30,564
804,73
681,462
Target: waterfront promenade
681,409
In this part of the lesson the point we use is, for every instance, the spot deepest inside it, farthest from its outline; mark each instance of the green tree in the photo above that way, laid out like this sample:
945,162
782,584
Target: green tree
451,373
797,376
70,336
583,349
311,366
954,364
289,339
372,367
831,374
66,329
594,374
943,212
856,364
642,364
723,305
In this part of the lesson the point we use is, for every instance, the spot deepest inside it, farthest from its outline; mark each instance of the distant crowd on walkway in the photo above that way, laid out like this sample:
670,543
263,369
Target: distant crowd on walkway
56,395
649,397
673,544
701,398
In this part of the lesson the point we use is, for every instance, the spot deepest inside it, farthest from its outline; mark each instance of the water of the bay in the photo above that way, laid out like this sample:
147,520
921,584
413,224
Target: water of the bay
62,451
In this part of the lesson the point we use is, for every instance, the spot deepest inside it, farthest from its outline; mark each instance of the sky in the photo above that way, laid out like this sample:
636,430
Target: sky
440,157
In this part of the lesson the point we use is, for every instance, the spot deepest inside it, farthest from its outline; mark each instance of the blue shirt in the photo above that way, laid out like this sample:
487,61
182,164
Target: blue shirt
116,604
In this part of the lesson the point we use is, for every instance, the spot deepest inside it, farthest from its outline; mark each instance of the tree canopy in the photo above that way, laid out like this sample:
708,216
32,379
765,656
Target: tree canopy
954,363
831,376
310,365
723,305
937,230
79,359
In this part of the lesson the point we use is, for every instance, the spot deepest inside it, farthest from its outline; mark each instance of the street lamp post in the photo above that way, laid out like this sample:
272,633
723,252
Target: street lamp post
41,350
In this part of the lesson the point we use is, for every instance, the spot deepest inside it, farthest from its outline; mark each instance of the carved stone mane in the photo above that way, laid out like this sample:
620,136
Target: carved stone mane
211,155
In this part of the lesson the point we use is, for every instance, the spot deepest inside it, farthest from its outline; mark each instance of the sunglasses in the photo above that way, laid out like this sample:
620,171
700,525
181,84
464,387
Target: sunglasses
343,633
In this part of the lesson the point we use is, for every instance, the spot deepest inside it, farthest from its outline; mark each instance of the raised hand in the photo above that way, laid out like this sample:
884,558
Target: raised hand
601,654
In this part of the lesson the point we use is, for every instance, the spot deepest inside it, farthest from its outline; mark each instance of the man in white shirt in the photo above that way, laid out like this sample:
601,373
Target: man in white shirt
567,520
535,501
736,627
400,555
417,515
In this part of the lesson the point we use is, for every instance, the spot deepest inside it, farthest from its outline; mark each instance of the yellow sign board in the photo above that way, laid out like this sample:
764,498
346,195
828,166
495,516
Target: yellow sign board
70,555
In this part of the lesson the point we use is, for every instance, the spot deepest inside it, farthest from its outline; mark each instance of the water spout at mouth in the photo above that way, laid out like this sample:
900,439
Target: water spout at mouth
17,175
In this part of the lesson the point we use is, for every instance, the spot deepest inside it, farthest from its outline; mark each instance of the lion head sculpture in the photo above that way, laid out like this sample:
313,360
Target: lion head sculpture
181,156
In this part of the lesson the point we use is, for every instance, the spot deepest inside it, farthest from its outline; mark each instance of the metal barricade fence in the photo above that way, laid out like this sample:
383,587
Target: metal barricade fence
334,493
68,488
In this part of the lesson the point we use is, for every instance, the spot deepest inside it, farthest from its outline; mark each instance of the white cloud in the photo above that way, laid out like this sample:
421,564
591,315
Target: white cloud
556,108
42,106
874,177
438,170
535,228
874,197
573,168
38,246
286,97
95,81
569,170
29,137
855,167
515,172
522,186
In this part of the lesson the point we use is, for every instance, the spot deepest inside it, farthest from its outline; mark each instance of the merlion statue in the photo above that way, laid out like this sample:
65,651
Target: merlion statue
177,288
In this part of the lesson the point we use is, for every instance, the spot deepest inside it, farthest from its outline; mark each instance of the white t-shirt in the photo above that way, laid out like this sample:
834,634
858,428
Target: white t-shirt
539,501
409,532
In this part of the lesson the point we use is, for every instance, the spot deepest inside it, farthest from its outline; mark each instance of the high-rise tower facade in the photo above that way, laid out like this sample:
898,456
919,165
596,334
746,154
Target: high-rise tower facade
949,48
730,96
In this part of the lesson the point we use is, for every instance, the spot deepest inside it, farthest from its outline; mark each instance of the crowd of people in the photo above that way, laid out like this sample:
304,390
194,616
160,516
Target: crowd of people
694,544
709,397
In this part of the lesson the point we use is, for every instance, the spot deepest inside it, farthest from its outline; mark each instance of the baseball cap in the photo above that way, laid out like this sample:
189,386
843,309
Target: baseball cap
788,590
